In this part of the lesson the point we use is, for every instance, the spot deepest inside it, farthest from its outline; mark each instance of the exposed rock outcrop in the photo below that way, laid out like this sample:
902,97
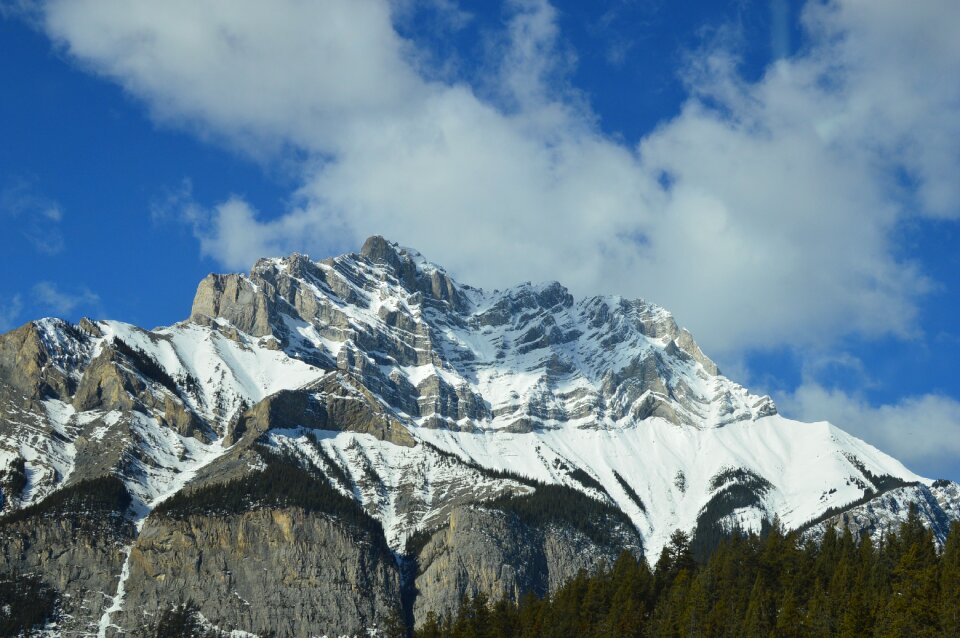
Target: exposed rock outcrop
283,571
496,553
334,423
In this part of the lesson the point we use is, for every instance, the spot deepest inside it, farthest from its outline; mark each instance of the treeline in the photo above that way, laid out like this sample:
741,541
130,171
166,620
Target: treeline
25,603
86,504
566,506
749,587
282,483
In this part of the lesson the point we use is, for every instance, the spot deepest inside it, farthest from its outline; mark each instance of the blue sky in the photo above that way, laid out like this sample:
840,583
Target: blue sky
781,175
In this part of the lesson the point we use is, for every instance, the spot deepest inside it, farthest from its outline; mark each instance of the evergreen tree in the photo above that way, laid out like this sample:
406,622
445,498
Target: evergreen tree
431,627
504,620
911,610
855,618
748,588
531,615
681,556
817,622
394,625
696,621
790,617
761,611
949,603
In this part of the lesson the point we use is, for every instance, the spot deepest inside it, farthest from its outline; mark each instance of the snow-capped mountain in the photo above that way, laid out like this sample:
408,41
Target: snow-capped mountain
435,406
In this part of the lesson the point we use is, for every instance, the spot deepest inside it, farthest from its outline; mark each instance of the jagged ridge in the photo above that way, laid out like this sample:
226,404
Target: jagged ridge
423,400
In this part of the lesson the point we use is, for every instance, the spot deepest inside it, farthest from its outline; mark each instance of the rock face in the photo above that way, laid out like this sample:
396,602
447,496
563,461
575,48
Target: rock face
76,541
86,565
498,554
938,504
280,570
433,440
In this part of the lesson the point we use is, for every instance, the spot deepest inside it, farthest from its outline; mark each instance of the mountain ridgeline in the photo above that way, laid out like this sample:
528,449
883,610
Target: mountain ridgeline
327,446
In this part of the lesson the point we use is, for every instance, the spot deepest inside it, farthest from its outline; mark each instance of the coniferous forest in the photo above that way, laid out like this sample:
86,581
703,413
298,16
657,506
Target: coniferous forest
749,587
774,586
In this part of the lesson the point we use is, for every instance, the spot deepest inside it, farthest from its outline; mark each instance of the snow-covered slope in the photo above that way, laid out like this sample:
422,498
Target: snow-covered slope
426,394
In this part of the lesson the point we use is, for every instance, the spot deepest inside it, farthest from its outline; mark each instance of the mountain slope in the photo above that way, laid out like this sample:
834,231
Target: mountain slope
561,430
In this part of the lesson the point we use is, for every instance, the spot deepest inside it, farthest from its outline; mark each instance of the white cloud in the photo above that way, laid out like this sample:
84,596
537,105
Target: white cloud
47,297
764,213
36,216
920,430
299,73
10,313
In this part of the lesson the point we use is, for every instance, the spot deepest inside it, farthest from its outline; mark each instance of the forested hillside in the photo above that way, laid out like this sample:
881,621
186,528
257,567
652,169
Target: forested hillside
750,587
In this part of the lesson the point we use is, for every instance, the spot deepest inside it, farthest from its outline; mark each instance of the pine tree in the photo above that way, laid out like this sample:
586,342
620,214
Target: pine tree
911,610
681,556
595,604
430,628
761,611
696,622
949,602
748,588
394,625
817,622
667,621
531,615
855,617
789,619
504,620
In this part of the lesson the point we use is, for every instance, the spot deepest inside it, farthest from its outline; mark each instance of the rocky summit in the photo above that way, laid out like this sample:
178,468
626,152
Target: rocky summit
323,447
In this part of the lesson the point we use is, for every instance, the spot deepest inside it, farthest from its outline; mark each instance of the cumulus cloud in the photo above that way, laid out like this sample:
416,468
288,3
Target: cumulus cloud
36,216
763,213
48,297
919,430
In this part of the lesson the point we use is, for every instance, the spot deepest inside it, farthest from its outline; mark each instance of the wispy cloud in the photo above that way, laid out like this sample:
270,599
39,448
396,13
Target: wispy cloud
36,216
49,298
619,29
923,431
10,310
763,213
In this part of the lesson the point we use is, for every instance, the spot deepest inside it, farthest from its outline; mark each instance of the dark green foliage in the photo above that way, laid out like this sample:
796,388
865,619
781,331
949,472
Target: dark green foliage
16,475
680,481
740,476
394,626
581,477
736,488
630,491
559,504
941,483
884,484
145,364
151,369
881,482
335,469
284,483
949,606
551,503
85,503
709,531
485,471
418,540
13,480
749,587
26,603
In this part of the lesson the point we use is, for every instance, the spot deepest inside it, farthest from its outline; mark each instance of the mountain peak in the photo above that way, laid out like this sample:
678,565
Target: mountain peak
450,356
419,401
377,249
